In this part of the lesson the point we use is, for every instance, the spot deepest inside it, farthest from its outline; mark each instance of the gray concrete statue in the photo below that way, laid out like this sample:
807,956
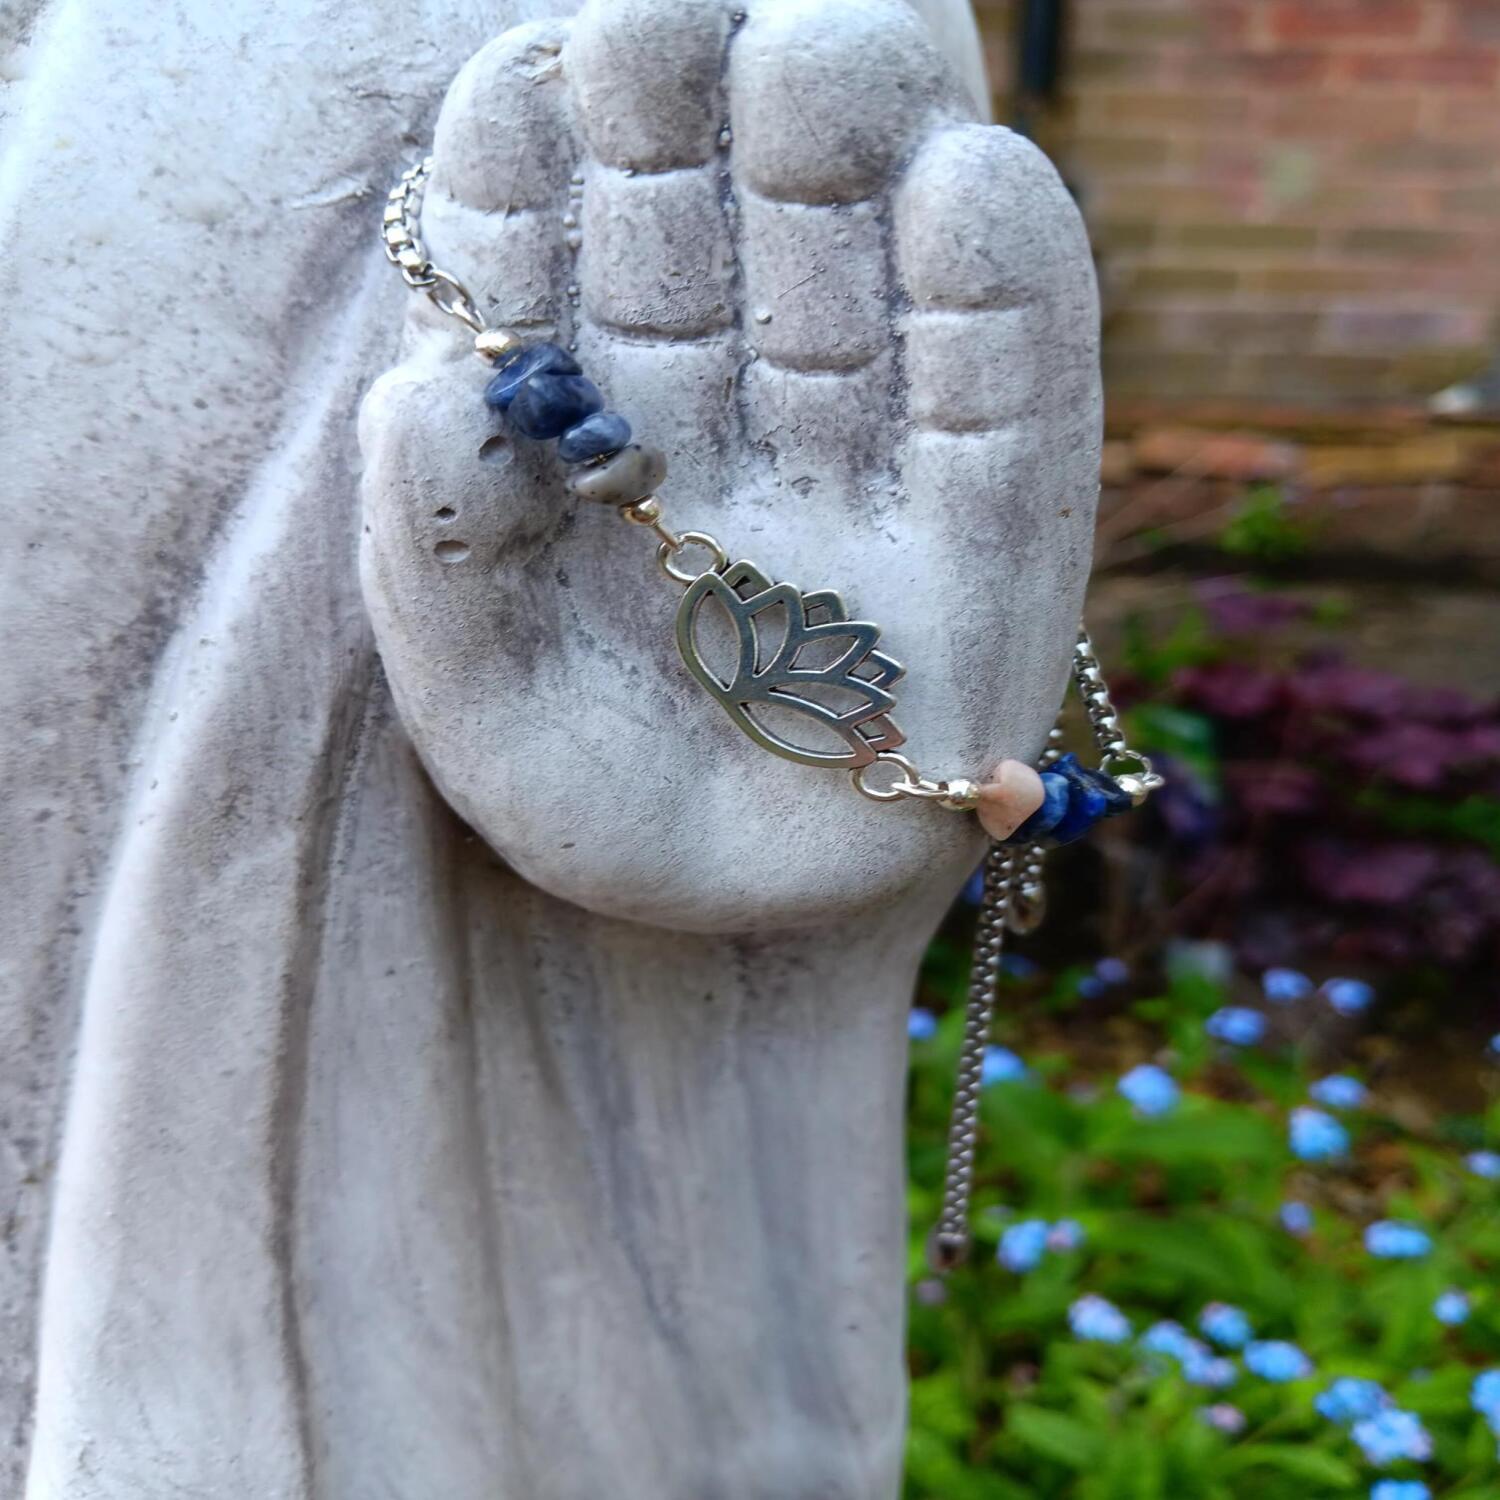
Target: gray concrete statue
442,1058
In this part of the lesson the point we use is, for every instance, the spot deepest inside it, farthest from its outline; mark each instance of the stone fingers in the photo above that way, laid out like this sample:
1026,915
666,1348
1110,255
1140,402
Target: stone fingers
1001,341
656,267
503,154
827,98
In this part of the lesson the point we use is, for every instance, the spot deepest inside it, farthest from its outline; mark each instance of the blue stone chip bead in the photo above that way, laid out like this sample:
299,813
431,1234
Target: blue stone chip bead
548,404
1074,799
597,436
512,373
1048,815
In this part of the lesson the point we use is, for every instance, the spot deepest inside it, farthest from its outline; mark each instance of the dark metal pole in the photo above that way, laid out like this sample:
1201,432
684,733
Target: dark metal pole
1039,32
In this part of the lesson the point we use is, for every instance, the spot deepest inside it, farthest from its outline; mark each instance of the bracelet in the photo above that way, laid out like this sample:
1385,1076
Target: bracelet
543,394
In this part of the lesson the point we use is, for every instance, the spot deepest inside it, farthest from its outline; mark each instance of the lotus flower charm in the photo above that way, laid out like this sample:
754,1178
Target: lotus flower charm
796,658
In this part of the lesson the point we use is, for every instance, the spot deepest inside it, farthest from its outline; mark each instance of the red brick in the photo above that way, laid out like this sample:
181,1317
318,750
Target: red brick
1214,455
1471,70
1379,328
1313,282
1334,118
1274,70
1418,155
1402,244
1117,155
1473,202
1122,234
1140,113
1301,21
1247,239
1475,21
1179,281
1115,67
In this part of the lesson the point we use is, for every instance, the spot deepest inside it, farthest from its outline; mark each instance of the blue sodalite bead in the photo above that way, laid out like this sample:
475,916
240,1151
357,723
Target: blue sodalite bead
597,436
512,373
548,404
1074,799
1048,815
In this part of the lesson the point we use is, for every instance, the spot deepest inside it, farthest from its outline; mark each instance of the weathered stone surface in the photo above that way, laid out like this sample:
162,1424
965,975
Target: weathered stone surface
364,1164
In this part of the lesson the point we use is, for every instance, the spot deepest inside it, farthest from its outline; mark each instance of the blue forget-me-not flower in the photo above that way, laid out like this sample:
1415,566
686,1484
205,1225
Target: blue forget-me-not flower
1390,1239
1350,1399
1151,1089
1316,1136
1093,1319
1400,1489
1001,1065
1276,1360
1236,1024
1339,1091
1227,1326
1451,1308
1283,986
1348,996
1391,1435
1296,1218
1023,1245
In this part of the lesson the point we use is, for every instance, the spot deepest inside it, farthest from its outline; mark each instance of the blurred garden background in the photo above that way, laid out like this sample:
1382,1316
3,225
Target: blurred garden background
1238,1204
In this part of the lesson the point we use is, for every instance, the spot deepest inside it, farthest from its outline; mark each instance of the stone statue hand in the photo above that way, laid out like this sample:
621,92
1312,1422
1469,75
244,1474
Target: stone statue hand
862,327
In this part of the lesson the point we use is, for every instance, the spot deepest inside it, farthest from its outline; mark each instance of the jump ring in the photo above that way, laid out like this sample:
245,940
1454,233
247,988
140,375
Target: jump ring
911,777
666,552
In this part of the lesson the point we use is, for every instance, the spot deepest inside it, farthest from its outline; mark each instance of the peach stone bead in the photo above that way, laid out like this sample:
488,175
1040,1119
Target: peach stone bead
1008,798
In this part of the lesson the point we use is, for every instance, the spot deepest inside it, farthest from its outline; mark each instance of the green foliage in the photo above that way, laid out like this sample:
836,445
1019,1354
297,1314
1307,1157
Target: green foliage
1179,1211
1262,527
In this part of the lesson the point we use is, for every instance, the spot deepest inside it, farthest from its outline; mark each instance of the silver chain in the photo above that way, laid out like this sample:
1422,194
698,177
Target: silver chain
950,1240
405,250
1015,899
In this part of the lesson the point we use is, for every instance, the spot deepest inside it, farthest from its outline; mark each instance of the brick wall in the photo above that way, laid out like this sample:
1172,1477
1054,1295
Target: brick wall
1291,200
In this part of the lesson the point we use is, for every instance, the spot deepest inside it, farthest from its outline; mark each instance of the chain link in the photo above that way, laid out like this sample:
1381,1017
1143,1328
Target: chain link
949,1244
401,234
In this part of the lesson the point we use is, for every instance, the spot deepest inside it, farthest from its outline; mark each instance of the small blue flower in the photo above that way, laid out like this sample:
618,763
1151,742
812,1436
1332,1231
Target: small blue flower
1223,1417
1316,1136
1400,1489
1064,1235
1391,1435
1484,1164
920,1024
1167,1338
1093,1319
1023,1245
1203,1367
1484,1394
1339,1091
1277,1360
1111,971
1451,1308
1494,1046
1283,986
973,891
1001,1065
1349,1399
1389,1239
1237,1025
1091,987
1296,1218
1150,1089
1349,997
1018,966
1227,1326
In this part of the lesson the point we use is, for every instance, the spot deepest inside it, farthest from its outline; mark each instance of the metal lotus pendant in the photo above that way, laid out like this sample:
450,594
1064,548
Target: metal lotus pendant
802,675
